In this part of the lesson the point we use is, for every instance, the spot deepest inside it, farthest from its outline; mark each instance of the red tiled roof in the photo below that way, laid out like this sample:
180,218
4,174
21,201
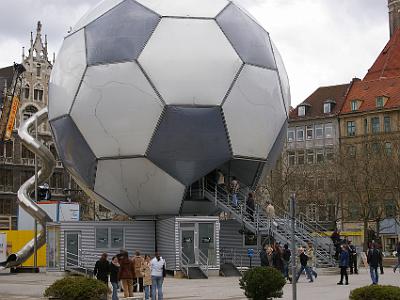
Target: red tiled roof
388,62
315,102
368,91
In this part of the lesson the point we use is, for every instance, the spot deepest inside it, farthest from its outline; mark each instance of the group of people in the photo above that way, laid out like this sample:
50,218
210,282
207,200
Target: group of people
277,257
132,272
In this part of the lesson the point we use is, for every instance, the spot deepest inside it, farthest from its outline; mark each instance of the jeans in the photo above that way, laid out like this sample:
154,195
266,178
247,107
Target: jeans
344,275
308,272
286,269
235,201
114,291
374,274
157,282
147,292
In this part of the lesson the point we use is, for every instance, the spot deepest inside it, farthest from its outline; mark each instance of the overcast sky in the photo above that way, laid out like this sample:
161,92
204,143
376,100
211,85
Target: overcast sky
322,42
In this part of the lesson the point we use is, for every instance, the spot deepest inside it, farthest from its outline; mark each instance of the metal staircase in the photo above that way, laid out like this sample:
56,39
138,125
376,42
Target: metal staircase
279,227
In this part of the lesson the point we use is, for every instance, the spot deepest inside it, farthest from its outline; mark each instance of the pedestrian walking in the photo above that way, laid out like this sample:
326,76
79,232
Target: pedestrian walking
303,266
137,261
126,271
102,269
373,258
277,260
311,259
146,272
264,257
286,260
270,256
250,205
353,258
398,257
234,188
380,258
157,265
344,258
114,271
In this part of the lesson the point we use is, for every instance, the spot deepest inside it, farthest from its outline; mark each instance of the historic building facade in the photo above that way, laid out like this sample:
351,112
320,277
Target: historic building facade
312,141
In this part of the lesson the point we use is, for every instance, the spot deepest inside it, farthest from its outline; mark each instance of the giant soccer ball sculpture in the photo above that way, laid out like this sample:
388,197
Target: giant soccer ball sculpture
148,96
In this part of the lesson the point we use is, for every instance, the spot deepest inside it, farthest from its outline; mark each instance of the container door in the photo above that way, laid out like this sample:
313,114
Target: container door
187,240
72,250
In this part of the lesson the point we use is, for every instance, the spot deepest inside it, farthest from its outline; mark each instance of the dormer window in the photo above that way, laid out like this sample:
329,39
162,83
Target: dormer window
354,105
328,106
381,101
301,111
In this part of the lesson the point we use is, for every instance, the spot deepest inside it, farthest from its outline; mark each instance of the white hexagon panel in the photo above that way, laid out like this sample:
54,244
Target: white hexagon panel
116,110
190,61
148,96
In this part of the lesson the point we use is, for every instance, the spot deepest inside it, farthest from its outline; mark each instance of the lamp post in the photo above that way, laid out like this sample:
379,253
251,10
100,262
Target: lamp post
293,243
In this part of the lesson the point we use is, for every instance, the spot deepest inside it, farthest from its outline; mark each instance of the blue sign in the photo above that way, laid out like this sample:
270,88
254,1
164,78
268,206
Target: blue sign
250,252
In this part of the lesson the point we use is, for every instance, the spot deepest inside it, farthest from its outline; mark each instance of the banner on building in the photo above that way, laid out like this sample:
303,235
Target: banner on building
3,247
11,118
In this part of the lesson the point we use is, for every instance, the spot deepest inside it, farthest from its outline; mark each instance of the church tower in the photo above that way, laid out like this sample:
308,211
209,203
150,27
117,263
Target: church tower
35,82
394,15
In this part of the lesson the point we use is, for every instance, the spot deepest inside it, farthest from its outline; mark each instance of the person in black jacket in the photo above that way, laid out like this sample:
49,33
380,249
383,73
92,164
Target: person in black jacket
373,259
114,270
264,257
303,262
286,259
102,269
352,258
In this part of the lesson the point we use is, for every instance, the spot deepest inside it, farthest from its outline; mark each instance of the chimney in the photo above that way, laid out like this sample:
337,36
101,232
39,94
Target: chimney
394,15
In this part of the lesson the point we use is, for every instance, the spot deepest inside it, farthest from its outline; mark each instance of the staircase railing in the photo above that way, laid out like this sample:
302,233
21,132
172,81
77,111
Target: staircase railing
256,221
203,262
184,263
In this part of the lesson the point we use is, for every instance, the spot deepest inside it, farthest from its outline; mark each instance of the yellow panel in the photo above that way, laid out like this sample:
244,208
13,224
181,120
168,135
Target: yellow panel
16,239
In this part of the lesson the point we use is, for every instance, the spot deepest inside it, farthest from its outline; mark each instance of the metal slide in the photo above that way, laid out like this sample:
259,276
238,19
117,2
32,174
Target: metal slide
24,192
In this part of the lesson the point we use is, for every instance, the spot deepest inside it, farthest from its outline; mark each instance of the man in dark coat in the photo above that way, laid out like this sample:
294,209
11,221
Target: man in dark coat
264,257
344,258
353,258
373,259
102,268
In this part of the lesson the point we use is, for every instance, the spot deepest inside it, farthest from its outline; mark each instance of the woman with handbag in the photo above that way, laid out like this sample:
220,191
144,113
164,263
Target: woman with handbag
146,273
157,265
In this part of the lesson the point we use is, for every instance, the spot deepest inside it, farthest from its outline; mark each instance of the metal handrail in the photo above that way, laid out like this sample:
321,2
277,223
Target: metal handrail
185,263
203,262
256,220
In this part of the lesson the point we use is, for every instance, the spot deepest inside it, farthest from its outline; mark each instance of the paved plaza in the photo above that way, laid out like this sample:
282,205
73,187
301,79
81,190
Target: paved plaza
31,287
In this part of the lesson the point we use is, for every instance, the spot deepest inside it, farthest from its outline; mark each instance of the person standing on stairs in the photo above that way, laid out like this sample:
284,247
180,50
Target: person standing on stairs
234,189
344,264
250,205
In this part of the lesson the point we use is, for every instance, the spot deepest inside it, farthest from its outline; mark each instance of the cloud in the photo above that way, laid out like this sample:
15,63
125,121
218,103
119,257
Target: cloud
322,42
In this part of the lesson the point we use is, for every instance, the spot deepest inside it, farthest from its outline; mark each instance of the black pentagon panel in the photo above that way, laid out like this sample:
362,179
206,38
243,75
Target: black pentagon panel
120,34
190,142
245,170
75,153
249,39
275,151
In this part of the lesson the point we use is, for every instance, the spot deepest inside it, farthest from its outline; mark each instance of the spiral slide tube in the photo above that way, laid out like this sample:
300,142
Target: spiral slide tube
24,192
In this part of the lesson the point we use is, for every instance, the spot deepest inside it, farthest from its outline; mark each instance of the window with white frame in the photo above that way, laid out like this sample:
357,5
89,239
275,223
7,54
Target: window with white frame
300,133
329,130
327,108
301,112
310,156
320,155
319,131
310,132
290,135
